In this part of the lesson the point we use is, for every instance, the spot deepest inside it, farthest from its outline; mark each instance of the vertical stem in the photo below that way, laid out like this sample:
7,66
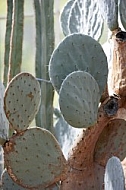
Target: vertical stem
15,58
7,39
44,47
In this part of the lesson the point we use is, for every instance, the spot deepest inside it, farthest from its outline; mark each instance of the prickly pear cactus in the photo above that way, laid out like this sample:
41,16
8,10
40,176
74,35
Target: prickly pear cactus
22,100
4,125
78,52
114,175
1,163
8,183
64,17
79,98
109,11
34,159
65,134
77,17
122,11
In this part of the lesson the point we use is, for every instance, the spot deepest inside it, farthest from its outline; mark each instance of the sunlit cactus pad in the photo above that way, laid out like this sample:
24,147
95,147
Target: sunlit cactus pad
22,100
34,159
114,175
79,98
78,52
8,183
4,124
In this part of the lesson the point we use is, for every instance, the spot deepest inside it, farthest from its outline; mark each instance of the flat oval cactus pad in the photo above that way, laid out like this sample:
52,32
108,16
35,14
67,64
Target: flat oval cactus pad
22,100
33,158
78,52
79,98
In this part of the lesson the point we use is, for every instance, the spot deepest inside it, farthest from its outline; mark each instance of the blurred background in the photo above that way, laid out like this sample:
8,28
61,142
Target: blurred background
28,59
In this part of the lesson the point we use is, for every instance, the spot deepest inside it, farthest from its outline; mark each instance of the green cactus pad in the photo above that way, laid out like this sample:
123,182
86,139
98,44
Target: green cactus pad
109,11
114,175
4,124
78,52
34,159
81,19
22,100
79,98
8,183
122,11
111,141
64,17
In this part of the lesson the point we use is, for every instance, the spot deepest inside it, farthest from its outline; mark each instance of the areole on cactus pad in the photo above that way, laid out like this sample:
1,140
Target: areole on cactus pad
22,100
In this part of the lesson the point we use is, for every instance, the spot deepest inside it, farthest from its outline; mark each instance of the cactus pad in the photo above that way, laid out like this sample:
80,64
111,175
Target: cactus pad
114,175
111,141
8,183
79,98
34,159
81,19
78,52
4,125
22,100
109,11
122,11
64,17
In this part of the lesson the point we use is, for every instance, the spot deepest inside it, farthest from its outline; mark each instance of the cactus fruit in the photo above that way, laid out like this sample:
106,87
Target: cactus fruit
22,100
34,159
109,11
78,52
111,141
4,125
79,98
114,175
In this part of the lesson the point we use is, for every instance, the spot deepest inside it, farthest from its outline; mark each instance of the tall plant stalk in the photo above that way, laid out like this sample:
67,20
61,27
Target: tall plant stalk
44,18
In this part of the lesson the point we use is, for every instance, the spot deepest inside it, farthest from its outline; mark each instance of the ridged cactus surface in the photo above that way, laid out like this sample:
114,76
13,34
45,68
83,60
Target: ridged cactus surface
64,17
122,11
79,98
22,100
34,159
78,52
114,175
77,17
109,11
4,125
